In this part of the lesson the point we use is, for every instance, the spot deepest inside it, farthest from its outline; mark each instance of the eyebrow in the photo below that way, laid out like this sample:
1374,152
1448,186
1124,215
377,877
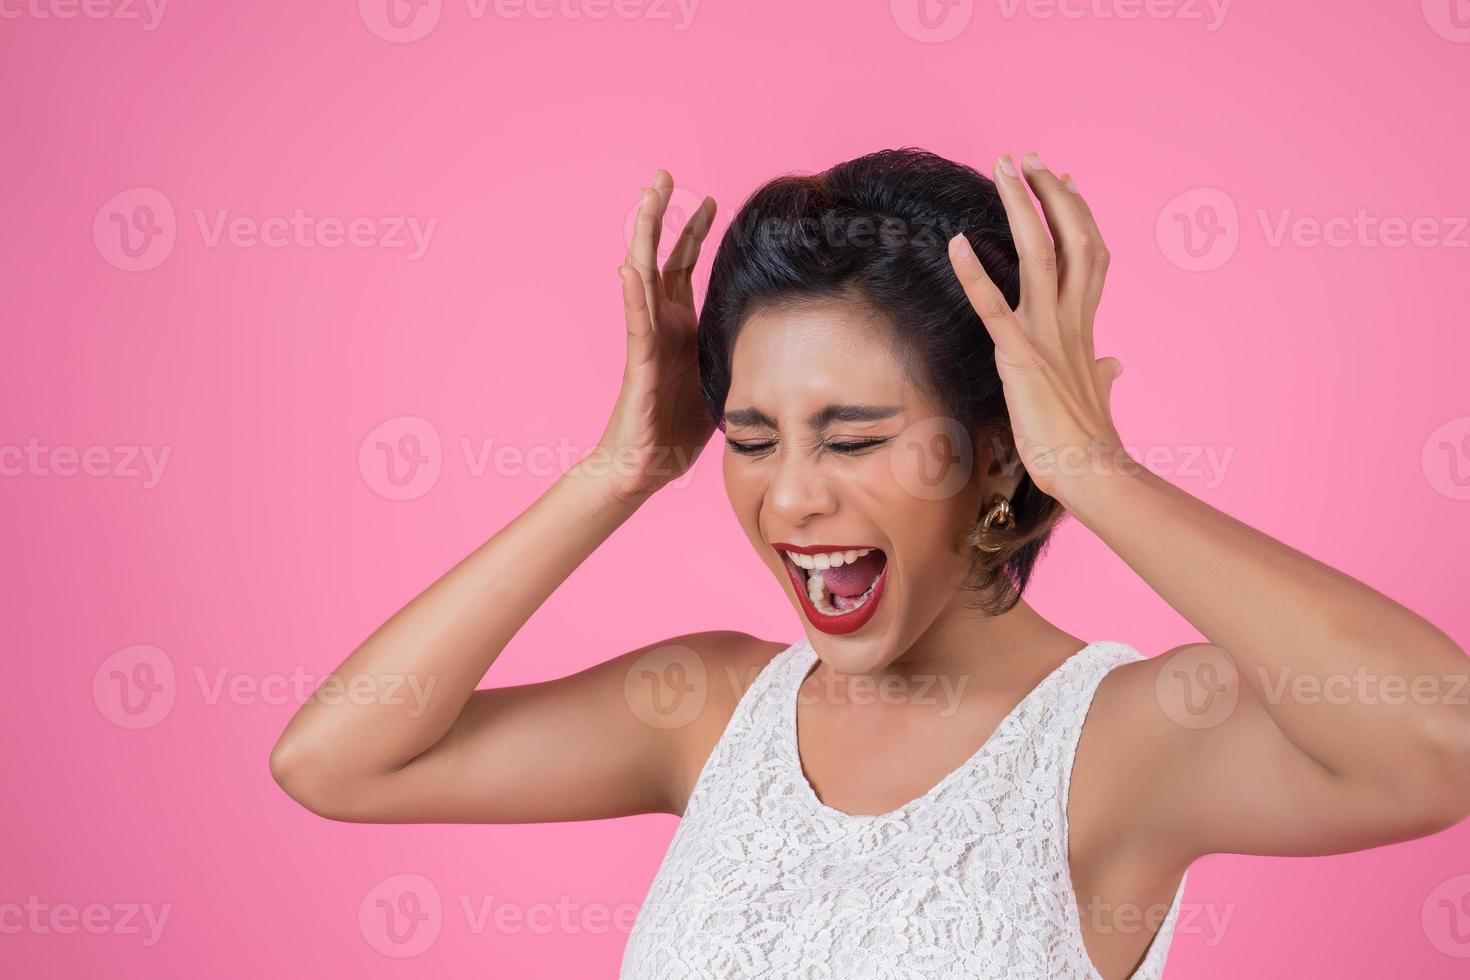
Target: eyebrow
818,420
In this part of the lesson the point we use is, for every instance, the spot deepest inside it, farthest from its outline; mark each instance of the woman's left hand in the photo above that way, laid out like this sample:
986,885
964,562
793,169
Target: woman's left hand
1056,389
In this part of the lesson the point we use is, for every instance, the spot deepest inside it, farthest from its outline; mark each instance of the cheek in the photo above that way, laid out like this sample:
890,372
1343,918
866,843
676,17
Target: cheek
928,508
923,532
933,460
743,488
922,481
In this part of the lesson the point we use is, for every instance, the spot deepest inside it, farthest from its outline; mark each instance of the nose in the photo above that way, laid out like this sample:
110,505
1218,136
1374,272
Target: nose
799,490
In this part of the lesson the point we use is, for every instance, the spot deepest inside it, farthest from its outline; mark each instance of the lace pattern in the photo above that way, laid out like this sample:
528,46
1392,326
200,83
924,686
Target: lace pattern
970,879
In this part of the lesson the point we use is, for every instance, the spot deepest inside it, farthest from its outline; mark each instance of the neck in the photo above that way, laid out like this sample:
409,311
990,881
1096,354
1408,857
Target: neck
970,642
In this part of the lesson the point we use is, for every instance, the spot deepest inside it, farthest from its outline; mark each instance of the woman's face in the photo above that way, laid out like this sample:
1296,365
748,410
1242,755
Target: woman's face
831,448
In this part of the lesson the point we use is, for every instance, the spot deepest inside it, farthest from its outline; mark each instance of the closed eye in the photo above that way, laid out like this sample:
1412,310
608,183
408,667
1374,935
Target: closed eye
752,448
749,448
853,447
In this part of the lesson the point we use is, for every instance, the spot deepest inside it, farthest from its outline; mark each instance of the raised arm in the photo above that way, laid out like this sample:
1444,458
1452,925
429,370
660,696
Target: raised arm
398,732
1280,771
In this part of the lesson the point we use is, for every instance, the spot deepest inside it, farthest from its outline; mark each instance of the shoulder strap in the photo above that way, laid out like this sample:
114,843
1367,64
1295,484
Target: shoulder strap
1075,694
756,717
1074,704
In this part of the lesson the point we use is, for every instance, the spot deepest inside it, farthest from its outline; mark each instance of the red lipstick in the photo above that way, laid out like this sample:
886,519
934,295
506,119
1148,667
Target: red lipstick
843,623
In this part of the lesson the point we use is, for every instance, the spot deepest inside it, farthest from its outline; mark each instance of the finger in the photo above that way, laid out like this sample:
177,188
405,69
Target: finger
663,185
1101,257
1034,245
987,299
1068,231
643,253
679,268
636,315
637,225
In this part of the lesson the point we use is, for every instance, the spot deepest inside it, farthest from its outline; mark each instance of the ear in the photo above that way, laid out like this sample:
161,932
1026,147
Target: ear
1003,469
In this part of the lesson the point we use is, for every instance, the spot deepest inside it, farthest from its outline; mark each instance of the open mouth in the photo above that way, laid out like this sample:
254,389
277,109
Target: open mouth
839,586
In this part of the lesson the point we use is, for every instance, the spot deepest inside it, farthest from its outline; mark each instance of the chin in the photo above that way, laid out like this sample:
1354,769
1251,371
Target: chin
851,655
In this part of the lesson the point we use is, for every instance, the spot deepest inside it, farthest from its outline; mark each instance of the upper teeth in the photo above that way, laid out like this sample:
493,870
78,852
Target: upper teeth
831,559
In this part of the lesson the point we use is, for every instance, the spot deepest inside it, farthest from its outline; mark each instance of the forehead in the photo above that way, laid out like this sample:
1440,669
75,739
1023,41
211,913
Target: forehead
795,353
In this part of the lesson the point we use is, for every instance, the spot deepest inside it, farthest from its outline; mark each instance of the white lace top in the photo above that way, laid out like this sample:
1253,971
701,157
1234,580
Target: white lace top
971,879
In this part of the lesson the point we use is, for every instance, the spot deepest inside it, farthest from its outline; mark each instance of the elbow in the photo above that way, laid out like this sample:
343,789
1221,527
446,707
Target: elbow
1447,738
289,764
1439,791
303,779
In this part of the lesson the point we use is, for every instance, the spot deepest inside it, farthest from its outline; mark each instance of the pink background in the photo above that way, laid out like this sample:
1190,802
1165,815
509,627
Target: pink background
270,546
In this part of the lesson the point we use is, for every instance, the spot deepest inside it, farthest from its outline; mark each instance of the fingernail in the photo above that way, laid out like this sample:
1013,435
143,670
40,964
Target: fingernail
1033,161
1006,166
1068,184
960,246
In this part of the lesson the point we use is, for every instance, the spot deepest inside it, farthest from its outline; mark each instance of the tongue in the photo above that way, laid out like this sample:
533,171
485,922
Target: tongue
854,578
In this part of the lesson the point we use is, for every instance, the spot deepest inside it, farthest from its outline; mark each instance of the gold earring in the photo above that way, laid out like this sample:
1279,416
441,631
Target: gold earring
999,517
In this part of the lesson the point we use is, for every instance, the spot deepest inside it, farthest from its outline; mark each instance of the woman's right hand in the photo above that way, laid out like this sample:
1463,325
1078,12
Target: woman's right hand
418,742
659,424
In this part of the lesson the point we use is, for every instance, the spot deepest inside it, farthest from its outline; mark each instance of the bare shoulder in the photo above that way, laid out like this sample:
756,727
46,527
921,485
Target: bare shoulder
1125,743
1162,707
730,662
719,667
738,658
1158,742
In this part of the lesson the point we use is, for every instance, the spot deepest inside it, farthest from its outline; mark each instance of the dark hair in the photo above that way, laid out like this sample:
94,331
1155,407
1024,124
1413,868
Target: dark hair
875,230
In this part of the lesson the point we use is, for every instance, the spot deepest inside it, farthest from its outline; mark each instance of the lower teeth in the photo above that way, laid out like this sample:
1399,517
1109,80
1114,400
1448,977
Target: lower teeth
817,593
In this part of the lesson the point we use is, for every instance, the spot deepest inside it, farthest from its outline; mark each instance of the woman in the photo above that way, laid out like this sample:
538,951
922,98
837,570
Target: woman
899,352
